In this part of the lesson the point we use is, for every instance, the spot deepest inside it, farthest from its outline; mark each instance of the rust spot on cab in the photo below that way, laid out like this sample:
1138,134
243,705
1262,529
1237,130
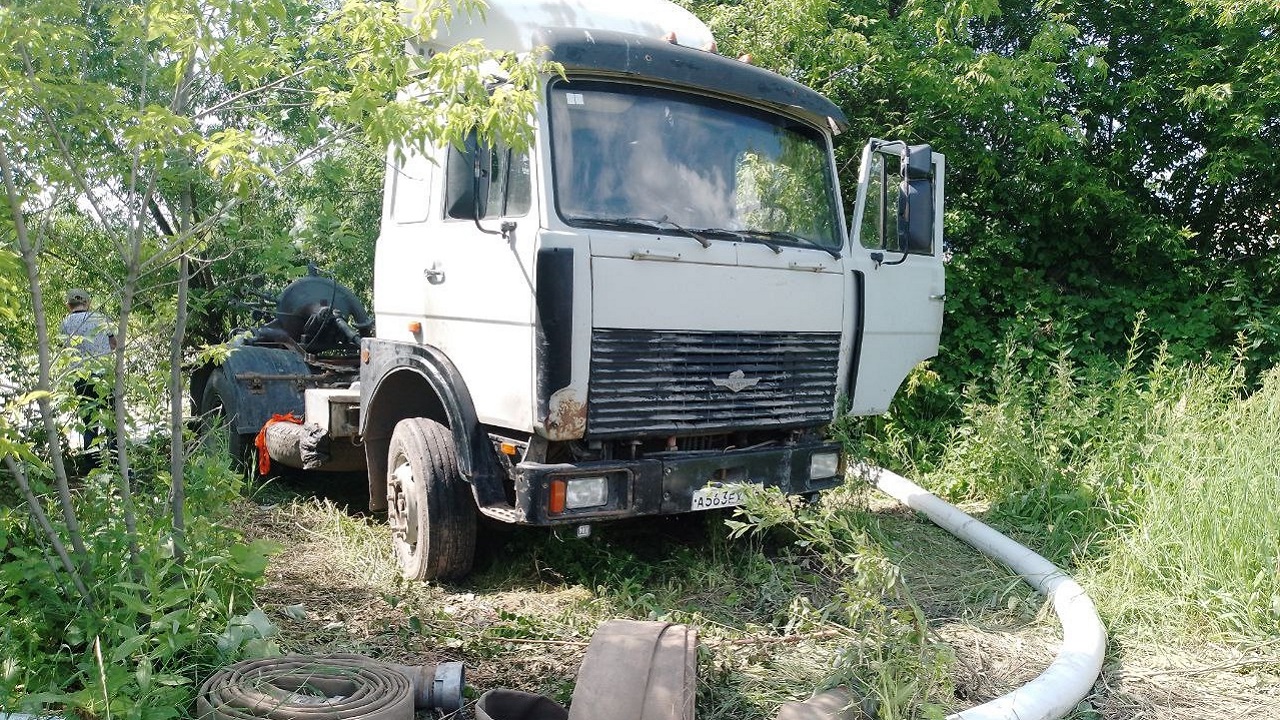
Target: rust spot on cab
567,418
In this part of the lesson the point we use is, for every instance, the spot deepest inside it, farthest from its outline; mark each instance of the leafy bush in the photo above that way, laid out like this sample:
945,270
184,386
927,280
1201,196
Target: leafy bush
890,656
149,629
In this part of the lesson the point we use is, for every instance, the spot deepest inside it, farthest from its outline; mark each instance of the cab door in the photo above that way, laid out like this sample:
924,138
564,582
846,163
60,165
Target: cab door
897,263
479,264
408,204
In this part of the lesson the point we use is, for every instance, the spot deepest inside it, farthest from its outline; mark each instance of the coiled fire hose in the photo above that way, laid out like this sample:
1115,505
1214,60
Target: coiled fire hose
333,687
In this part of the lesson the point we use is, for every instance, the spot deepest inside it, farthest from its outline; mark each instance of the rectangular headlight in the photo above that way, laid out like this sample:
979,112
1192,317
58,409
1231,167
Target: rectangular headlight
586,492
824,465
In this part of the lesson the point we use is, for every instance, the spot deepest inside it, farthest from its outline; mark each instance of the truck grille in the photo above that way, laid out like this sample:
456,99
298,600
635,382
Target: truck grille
660,383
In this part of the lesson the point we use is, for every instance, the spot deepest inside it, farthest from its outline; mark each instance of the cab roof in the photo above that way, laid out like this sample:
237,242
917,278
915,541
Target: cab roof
623,55
509,25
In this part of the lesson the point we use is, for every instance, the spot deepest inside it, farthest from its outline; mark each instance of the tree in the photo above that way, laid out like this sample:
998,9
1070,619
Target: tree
138,140
1104,158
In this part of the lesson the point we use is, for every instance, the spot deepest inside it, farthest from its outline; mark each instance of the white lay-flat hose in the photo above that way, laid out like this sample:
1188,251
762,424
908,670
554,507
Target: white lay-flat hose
1070,677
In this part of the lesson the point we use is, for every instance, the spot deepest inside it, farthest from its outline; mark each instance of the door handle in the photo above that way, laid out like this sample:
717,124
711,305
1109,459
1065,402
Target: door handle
939,298
807,268
651,255
434,274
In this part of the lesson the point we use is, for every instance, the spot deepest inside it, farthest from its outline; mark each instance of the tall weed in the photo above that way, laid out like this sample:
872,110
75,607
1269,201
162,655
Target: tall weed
888,655
1055,453
1202,549
1158,481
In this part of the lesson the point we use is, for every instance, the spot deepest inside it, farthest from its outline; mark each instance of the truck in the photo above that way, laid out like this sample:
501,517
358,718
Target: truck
664,298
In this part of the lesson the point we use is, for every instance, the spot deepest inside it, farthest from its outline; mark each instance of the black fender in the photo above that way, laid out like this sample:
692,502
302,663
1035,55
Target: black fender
401,380
199,379
266,382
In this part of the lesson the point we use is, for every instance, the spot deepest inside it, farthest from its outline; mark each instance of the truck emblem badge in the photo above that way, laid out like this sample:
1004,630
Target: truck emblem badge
736,382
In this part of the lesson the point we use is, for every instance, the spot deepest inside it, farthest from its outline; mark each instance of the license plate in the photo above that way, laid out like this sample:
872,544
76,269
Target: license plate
712,497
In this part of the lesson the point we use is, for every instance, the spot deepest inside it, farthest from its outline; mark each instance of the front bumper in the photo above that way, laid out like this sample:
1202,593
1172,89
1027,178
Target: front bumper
664,484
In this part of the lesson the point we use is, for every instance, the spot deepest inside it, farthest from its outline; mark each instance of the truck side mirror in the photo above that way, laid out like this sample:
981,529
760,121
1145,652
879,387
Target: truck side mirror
915,201
461,182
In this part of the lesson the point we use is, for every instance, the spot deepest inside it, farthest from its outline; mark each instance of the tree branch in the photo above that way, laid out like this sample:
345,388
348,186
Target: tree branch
158,216
252,91
37,512
53,438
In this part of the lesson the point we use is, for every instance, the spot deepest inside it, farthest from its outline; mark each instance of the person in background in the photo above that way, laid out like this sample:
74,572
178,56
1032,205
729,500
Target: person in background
89,337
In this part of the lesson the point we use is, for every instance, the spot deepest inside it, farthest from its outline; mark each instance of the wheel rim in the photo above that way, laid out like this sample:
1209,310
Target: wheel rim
402,510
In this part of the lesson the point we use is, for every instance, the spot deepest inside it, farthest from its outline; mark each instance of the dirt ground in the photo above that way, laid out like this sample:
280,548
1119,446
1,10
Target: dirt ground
332,589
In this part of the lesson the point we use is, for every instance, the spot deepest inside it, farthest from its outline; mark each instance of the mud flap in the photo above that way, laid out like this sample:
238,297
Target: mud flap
266,382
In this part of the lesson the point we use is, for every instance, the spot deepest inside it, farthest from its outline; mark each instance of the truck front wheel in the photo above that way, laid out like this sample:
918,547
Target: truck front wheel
429,504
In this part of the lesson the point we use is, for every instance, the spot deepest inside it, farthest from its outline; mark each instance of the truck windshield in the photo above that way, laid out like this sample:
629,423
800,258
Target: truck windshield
631,153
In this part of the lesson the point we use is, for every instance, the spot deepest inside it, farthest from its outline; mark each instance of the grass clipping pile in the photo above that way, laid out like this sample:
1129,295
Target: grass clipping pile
787,599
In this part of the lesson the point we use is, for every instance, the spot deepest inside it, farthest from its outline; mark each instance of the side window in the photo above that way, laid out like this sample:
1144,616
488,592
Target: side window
883,218
459,199
411,197
504,186
879,217
519,187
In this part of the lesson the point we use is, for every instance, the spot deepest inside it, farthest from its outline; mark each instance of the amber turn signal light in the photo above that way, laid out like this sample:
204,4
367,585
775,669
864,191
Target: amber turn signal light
558,492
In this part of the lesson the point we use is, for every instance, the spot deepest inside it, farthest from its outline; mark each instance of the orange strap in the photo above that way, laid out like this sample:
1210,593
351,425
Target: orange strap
264,458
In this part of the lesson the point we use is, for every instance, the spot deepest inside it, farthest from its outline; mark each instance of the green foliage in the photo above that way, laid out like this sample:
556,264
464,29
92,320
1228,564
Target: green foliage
338,206
1054,451
10,282
137,646
191,116
910,433
1104,158
890,655
134,133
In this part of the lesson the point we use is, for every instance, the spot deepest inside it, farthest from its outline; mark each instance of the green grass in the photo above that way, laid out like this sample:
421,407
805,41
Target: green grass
1202,548
800,599
1159,484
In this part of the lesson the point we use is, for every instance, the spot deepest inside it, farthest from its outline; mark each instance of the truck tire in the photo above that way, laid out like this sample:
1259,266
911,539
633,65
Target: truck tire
218,414
429,505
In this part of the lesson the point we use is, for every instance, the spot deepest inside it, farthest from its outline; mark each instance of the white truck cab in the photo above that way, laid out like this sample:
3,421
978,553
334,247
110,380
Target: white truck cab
661,298
659,301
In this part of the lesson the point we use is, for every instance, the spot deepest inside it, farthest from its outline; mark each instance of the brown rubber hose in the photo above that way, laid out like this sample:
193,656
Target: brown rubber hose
637,670
294,687
834,704
505,704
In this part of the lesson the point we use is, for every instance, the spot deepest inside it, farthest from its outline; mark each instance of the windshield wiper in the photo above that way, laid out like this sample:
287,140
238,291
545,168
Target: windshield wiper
701,240
659,224
746,236
790,237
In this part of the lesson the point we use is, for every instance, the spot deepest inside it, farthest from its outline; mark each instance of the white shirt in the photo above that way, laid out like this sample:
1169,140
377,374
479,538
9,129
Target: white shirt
88,335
